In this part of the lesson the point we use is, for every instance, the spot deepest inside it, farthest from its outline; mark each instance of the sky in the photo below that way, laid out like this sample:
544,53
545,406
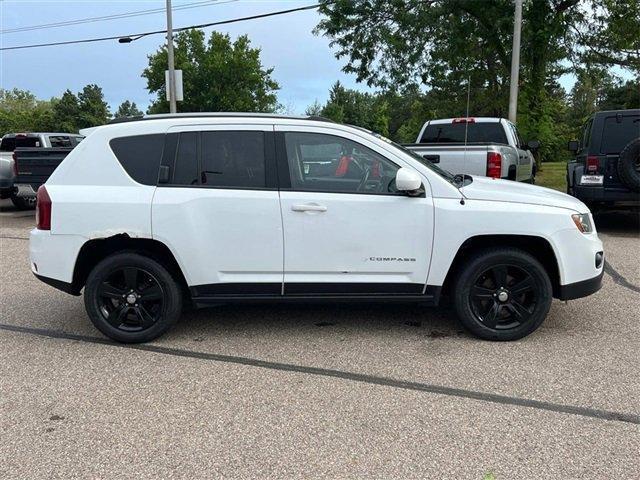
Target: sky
304,64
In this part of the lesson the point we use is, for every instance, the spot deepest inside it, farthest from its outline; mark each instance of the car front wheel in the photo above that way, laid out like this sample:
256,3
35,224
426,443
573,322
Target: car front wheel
502,294
132,298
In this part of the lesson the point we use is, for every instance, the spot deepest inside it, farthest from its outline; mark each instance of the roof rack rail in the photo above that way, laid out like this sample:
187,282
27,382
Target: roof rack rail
138,118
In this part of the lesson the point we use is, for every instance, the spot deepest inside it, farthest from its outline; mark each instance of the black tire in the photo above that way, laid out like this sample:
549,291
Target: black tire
629,165
481,283
24,203
131,298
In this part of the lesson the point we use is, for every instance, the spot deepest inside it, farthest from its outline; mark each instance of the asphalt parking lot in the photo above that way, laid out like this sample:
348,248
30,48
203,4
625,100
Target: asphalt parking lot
384,391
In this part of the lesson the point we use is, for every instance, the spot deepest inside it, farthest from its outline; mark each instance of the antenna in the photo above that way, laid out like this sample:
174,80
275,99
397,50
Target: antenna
466,123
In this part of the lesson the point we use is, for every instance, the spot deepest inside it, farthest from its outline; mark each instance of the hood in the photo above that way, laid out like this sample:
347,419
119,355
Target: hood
485,188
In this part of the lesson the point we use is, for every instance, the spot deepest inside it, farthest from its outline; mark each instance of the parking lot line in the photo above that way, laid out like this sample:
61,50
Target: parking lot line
357,377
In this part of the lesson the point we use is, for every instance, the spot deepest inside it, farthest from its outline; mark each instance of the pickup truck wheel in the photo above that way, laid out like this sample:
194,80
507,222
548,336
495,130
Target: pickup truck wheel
502,294
132,298
24,203
629,165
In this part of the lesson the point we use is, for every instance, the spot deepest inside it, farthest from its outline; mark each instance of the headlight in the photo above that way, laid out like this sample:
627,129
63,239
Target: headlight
583,222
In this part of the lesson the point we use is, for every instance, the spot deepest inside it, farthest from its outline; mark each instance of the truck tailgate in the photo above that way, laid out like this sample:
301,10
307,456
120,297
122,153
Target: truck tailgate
455,159
35,165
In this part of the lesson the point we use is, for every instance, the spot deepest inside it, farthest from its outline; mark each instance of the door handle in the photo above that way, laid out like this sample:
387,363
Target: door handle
309,207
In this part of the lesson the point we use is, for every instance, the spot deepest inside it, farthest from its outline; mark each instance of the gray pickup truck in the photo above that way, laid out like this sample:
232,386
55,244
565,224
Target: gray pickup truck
482,146
8,170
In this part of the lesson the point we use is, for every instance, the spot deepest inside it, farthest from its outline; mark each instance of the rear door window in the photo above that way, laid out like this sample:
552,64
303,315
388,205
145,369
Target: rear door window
618,132
185,165
233,159
485,132
140,156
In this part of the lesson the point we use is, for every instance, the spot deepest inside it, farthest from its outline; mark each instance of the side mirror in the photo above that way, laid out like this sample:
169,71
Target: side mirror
573,146
407,180
533,144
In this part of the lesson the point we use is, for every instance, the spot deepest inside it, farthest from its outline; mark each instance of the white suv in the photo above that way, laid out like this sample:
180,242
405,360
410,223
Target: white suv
152,213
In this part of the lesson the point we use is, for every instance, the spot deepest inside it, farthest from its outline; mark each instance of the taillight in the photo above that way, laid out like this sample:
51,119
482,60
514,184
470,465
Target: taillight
494,165
43,209
15,164
593,164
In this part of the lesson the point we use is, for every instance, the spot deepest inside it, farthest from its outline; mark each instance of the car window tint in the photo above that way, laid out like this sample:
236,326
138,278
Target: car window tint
616,134
327,163
185,165
233,159
140,156
485,132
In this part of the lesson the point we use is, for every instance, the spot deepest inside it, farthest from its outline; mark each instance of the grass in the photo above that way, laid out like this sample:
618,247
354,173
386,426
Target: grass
553,175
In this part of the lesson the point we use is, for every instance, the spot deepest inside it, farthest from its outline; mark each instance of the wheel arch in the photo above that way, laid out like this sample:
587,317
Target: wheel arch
96,250
538,247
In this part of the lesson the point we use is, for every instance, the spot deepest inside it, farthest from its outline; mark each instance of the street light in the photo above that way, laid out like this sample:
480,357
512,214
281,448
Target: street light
171,84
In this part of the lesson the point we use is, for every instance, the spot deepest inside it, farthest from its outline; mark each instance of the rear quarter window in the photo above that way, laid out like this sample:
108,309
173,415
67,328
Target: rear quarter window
140,156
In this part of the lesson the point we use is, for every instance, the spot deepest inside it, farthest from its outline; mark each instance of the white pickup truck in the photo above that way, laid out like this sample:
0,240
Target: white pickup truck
484,146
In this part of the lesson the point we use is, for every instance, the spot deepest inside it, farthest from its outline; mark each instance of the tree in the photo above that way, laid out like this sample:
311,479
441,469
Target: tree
66,112
21,111
93,109
217,75
443,46
127,109
610,34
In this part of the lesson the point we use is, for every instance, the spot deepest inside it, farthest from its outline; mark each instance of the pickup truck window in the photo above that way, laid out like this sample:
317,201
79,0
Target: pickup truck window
60,141
616,134
9,144
485,132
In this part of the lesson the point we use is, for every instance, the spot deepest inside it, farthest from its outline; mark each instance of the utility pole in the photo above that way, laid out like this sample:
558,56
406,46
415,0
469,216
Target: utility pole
172,76
515,62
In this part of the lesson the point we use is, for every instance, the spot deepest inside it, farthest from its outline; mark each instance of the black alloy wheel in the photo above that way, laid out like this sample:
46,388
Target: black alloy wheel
503,297
132,298
502,293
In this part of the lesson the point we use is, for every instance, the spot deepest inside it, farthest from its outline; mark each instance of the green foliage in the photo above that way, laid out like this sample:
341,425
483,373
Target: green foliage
21,111
218,75
93,109
443,47
610,34
127,109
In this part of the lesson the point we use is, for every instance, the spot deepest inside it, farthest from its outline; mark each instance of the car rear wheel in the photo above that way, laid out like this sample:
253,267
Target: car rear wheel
502,294
132,298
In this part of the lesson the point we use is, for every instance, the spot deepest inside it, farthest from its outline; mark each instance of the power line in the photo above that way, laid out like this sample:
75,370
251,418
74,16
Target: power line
156,32
115,16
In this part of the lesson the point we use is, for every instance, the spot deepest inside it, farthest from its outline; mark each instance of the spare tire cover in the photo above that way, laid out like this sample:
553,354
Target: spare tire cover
629,165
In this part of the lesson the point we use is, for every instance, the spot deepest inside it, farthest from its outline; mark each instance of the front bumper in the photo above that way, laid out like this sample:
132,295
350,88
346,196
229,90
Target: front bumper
581,289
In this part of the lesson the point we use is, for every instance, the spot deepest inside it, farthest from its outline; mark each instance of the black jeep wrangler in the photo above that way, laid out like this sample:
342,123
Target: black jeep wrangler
606,170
